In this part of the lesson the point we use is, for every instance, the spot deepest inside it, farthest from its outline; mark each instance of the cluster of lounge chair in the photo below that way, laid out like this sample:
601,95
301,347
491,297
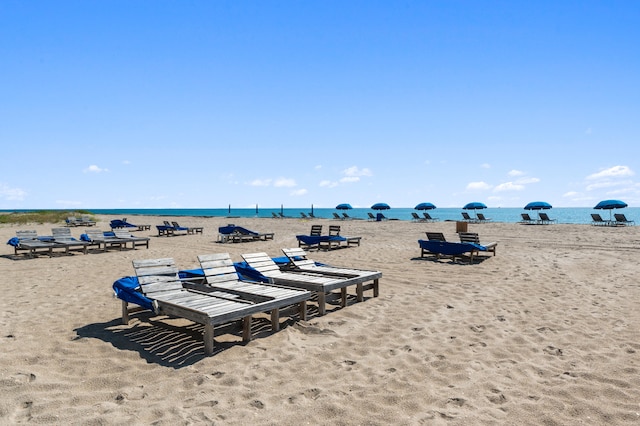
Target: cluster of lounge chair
468,248
619,220
426,217
218,294
543,219
169,229
480,218
61,241
332,240
81,221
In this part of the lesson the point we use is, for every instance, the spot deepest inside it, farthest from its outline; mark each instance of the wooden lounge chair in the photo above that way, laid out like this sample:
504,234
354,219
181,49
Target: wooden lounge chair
467,218
441,248
159,281
303,215
545,219
126,236
316,231
28,241
371,216
416,218
190,229
597,220
238,234
347,217
220,274
334,231
318,283
472,237
336,216
98,238
482,218
428,218
621,219
62,237
527,219
299,262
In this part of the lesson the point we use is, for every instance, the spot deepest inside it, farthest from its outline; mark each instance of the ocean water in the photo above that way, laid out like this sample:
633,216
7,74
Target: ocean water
509,215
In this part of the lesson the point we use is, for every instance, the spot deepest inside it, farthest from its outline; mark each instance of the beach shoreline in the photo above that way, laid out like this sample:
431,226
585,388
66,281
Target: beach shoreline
545,332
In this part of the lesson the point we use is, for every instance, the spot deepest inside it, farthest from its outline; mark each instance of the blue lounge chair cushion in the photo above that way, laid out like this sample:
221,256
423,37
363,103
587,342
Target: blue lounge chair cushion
231,229
126,289
311,240
117,223
450,248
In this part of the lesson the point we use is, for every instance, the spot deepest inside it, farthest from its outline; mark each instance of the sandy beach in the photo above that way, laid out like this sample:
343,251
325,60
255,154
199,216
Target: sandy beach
546,332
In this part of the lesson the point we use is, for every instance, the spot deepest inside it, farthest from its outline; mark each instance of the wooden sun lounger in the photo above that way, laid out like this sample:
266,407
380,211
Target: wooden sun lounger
472,237
103,242
334,230
160,282
62,238
220,274
319,283
28,242
299,262
125,235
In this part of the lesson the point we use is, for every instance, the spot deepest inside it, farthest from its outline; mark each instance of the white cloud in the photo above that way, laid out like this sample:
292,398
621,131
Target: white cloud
355,171
485,165
527,180
318,167
475,186
571,194
508,186
94,169
612,172
299,192
126,162
350,179
515,173
328,184
260,182
284,182
13,194
608,184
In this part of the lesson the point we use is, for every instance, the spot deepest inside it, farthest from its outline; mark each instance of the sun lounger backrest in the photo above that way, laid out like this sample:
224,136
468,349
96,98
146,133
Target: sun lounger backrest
218,268
469,237
336,215
122,233
157,276
427,216
334,230
316,230
298,257
435,236
94,234
27,235
262,263
62,234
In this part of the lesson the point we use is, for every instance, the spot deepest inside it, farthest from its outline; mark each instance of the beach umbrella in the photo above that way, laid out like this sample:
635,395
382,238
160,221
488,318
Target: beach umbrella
380,206
474,206
425,206
610,205
344,206
537,205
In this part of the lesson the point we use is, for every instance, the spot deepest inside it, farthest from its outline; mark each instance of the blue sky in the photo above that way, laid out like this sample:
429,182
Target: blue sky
201,104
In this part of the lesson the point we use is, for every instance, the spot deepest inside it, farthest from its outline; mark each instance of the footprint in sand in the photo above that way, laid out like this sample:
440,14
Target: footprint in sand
477,328
257,404
457,401
312,393
552,350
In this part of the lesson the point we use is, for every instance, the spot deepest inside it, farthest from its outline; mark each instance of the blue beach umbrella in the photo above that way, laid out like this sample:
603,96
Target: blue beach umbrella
537,205
610,205
344,206
474,206
380,206
425,206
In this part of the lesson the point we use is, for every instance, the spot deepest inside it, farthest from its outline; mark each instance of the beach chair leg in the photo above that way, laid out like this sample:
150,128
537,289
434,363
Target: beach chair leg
303,310
208,339
321,303
246,328
343,297
360,292
275,319
125,312
376,290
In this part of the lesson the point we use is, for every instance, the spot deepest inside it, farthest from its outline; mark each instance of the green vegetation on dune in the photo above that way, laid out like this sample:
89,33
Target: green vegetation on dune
41,216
